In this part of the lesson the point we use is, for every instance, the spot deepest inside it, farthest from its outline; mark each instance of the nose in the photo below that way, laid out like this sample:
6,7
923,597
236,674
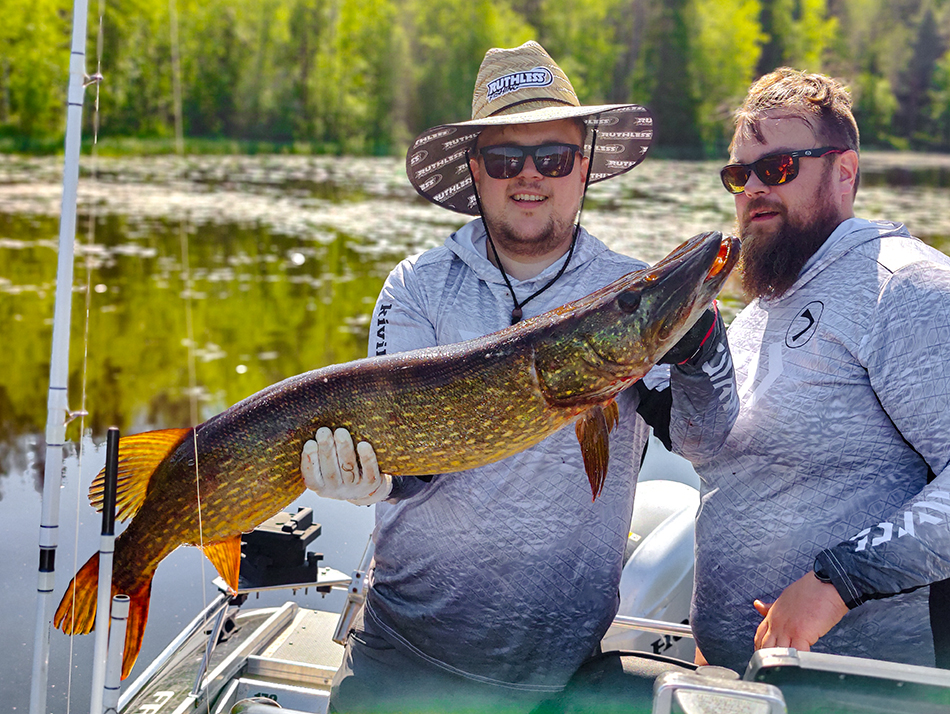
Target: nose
754,186
529,170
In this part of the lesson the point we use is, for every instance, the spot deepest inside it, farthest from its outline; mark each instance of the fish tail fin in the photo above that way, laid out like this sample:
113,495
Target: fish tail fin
135,627
76,614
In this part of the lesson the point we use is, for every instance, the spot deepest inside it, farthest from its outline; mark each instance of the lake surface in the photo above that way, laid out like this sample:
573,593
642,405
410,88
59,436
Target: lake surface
266,266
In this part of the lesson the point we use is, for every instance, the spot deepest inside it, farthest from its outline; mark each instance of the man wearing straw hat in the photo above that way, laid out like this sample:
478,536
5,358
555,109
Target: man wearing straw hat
491,586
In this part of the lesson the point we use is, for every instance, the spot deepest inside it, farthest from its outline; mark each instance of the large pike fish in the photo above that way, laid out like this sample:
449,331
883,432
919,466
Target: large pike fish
428,411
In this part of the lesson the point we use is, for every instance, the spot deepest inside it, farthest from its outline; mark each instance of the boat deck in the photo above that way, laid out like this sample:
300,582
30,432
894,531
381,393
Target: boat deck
284,653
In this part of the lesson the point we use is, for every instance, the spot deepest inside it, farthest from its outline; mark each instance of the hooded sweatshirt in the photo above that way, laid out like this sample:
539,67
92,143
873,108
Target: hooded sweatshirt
844,390
508,573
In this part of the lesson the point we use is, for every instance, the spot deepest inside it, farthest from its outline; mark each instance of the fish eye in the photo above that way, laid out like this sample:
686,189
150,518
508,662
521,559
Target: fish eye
629,302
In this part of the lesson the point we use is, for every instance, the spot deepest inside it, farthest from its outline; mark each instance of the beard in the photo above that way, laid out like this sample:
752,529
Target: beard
552,235
529,238
771,260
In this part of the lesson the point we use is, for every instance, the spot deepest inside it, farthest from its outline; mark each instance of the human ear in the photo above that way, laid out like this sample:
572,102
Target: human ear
848,171
475,168
585,167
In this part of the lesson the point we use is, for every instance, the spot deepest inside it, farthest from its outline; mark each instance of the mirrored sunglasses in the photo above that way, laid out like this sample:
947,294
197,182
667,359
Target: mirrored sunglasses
551,160
772,170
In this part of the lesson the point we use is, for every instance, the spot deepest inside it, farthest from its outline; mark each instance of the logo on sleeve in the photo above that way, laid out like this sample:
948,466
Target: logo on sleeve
381,322
804,325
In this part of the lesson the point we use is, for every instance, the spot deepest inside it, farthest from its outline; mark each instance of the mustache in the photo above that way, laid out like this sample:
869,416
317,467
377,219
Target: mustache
761,203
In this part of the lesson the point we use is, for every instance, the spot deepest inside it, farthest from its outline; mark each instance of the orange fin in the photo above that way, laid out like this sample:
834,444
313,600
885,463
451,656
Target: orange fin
79,617
76,614
611,414
139,456
225,555
135,626
593,430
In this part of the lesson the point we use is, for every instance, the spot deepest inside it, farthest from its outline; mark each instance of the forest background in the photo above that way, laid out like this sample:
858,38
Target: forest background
364,76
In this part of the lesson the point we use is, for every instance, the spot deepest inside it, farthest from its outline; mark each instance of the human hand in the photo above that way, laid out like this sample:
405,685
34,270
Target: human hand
699,659
694,338
804,612
329,467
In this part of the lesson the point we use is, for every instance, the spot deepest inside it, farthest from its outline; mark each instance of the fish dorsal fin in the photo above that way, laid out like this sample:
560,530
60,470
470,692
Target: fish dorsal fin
225,555
139,456
593,429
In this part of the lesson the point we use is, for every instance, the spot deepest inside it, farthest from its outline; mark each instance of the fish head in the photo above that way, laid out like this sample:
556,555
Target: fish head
614,336
665,301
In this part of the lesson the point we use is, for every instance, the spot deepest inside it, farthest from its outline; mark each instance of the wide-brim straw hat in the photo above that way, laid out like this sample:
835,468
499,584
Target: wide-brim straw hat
523,85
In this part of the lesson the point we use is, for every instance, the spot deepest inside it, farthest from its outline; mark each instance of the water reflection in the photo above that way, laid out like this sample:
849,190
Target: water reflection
285,256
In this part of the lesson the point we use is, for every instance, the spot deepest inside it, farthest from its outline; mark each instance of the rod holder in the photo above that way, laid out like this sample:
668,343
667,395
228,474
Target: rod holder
119,623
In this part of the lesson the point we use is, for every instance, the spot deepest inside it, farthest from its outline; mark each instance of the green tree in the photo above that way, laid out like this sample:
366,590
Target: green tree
799,32
873,49
581,36
912,89
938,105
662,77
136,95
209,78
723,57
35,41
448,43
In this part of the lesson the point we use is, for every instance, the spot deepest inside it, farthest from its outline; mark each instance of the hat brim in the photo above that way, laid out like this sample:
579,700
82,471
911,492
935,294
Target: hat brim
436,160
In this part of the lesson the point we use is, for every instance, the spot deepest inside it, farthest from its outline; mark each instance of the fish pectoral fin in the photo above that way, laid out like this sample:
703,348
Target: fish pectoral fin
139,456
593,430
225,555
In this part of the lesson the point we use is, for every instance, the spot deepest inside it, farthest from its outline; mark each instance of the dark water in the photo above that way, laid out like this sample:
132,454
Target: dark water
266,267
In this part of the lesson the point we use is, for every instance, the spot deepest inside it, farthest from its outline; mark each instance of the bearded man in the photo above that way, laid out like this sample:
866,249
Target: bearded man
824,517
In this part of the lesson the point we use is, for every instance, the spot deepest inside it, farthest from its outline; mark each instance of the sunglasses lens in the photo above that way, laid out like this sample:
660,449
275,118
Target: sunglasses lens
734,178
776,170
772,171
554,160
502,162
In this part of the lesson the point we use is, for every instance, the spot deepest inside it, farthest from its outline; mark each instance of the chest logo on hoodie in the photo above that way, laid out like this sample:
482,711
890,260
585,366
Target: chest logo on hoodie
804,325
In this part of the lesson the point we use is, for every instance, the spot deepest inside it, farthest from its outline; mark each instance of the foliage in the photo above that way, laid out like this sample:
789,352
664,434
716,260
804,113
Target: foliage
364,76
726,49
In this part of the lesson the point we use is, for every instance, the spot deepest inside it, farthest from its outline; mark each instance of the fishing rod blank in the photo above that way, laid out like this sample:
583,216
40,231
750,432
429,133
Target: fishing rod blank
57,401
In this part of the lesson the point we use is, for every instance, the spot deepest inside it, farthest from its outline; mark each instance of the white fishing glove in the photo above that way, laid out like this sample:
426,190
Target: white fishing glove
329,467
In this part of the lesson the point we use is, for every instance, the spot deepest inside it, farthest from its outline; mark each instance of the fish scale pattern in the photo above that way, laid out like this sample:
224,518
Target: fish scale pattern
818,454
506,573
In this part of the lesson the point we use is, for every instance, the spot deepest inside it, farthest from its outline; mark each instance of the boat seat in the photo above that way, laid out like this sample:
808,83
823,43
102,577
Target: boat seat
615,683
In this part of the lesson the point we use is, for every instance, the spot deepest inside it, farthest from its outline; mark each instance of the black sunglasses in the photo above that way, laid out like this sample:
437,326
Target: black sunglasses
551,160
772,170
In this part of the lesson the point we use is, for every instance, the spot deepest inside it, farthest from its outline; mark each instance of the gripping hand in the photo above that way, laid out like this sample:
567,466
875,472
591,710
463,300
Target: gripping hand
692,342
329,466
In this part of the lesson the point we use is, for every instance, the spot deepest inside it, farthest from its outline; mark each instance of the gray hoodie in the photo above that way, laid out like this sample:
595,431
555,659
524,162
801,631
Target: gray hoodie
508,574
844,385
